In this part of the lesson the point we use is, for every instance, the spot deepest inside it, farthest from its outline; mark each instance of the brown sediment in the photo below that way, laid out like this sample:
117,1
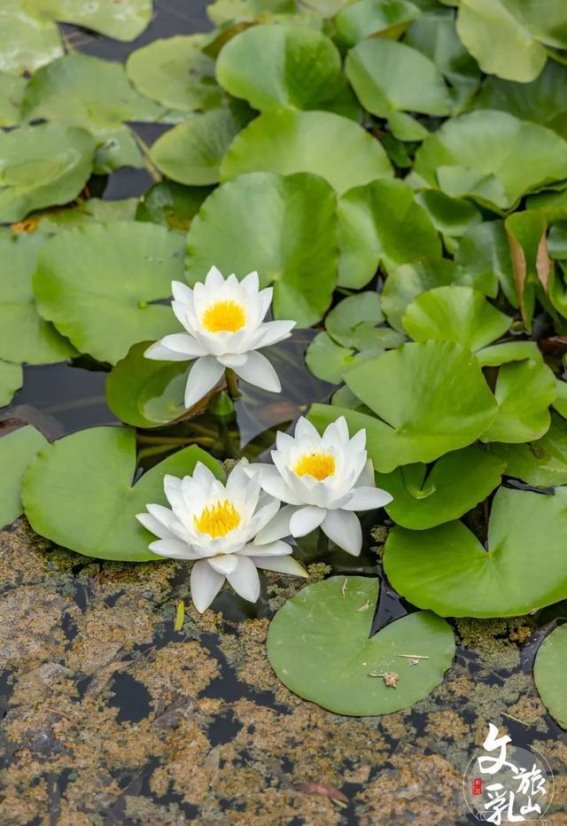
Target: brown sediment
114,717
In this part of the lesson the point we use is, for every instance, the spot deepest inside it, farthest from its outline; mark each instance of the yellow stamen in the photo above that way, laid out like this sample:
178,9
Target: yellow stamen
318,465
224,316
218,519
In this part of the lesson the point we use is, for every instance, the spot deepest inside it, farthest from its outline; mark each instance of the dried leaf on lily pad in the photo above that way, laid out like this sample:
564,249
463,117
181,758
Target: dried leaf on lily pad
320,648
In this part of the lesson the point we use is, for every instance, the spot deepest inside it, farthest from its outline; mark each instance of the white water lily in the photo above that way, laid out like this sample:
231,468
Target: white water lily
224,320
324,479
216,525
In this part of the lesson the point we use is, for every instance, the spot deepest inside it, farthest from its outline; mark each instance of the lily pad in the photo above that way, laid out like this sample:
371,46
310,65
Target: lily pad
122,21
491,157
372,18
380,223
484,254
175,72
17,449
458,314
451,216
11,379
319,647
354,320
171,204
524,391
285,228
146,393
425,498
328,360
431,398
447,570
550,674
24,335
78,492
390,77
11,93
100,285
541,463
41,166
27,43
408,281
273,66
191,152
322,143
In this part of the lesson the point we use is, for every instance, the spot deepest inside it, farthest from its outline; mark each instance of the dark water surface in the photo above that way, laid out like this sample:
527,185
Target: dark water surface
113,717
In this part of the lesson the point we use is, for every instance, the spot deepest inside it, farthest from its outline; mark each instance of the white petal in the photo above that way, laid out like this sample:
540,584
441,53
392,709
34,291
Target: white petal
277,528
358,441
245,579
305,520
367,498
205,584
182,292
336,432
233,359
214,278
203,376
278,548
251,282
185,344
224,564
154,526
159,352
282,564
343,528
304,429
272,483
366,475
259,372
172,489
204,476
173,549
274,331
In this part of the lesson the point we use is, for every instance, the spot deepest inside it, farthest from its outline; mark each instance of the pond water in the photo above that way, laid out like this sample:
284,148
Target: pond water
112,716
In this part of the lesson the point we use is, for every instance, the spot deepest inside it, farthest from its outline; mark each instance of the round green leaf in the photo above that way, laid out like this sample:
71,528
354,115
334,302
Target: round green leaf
451,216
78,492
146,393
93,210
380,223
390,77
432,396
176,72
508,351
322,143
272,66
41,166
524,390
550,674
454,485
11,379
100,284
285,228
458,314
484,255
410,280
447,570
122,21
541,463
191,153
499,41
354,320
171,204
24,335
11,93
319,647
369,18
17,449
328,360
26,43
492,157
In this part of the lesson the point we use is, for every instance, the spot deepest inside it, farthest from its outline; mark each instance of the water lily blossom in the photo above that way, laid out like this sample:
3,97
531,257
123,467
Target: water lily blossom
215,526
324,479
225,328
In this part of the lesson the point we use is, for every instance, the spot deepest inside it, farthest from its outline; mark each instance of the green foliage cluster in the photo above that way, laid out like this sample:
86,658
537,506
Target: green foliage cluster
398,172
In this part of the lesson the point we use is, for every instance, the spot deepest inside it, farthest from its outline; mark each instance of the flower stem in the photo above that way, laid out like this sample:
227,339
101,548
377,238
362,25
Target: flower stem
232,384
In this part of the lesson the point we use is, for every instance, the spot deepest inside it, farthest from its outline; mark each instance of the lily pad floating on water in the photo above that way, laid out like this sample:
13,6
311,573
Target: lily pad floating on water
11,93
447,570
491,157
369,18
41,166
122,21
541,463
101,284
171,204
27,42
276,66
11,379
17,449
78,492
325,144
283,227
431,398
550,674
454,485
176,72
320,648
24,335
